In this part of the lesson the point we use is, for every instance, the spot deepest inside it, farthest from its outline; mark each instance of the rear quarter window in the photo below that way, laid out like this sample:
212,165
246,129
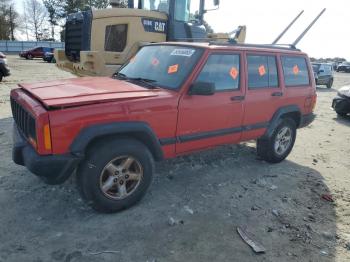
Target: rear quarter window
295,71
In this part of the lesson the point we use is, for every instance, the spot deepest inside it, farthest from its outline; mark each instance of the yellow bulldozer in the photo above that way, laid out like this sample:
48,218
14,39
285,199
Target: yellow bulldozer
98,42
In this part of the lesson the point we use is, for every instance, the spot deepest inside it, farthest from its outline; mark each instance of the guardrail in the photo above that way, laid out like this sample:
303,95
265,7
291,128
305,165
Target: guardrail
18,46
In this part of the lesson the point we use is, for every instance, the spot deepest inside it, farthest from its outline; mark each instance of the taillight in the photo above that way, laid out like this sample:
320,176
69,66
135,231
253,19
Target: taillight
310,103
313,104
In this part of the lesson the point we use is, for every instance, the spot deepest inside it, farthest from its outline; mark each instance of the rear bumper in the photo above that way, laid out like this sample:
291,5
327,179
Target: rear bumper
56,168
307,120
5,70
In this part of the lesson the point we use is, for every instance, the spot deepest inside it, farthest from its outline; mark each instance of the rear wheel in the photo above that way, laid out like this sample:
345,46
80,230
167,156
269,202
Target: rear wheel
115,175
1,76
278,147
330,83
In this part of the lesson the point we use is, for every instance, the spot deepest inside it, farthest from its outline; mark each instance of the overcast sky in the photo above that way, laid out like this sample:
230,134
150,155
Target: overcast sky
266,19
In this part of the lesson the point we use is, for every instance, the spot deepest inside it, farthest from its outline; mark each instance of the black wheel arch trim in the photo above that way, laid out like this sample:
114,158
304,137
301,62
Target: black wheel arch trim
140,130
278,115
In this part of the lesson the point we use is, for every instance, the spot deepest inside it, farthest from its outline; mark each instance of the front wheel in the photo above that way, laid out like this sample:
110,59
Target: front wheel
115,175
340,113
276,148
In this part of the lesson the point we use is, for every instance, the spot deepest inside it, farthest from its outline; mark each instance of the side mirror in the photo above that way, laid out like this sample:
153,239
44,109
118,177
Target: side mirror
216,2
202,89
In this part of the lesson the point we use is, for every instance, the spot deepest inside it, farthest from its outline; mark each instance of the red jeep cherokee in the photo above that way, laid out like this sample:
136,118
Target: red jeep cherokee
170,99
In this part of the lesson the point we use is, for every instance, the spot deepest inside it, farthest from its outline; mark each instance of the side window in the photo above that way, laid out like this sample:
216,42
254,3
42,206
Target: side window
115,38
295,71
262,71
222,70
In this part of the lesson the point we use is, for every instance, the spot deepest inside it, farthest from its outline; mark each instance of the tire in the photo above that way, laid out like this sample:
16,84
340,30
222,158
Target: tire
1,76
115,174
269,150
342,114
330,83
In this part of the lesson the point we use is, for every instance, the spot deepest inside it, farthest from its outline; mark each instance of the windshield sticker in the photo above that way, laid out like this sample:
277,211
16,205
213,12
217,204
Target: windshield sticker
155,61
296,70
183,52
262,70
234,73
173,69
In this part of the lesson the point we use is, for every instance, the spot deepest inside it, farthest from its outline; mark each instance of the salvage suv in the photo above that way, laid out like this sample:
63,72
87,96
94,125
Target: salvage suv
170,99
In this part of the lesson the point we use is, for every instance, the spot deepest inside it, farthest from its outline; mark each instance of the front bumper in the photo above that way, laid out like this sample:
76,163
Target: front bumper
341,104
55,168
307,120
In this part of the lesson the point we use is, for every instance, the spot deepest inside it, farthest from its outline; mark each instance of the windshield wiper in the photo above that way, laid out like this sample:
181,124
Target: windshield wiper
145,81
120,76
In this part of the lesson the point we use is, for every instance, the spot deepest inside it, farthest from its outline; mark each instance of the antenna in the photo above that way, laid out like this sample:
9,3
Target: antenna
308,28
287,28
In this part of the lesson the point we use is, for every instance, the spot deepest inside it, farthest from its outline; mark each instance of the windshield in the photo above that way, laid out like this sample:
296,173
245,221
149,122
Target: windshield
186,10
316,67
162,65
156,5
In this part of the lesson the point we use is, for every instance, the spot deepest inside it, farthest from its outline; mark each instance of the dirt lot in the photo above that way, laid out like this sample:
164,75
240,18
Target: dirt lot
194,204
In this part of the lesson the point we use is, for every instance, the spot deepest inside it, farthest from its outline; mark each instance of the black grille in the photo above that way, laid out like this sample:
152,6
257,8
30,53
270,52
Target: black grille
77,34
25,122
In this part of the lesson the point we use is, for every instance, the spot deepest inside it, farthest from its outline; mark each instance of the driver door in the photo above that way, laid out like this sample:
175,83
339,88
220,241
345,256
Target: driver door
210,120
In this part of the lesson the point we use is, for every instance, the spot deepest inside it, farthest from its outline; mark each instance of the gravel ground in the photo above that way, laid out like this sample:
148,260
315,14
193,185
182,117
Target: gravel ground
195,203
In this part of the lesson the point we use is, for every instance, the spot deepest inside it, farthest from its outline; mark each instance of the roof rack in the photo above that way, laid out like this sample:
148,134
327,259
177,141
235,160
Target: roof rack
274,46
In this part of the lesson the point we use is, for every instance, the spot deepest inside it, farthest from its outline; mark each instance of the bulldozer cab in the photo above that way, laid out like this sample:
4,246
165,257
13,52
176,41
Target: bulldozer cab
98,42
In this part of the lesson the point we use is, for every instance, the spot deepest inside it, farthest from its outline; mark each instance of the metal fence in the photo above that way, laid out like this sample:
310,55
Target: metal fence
18,46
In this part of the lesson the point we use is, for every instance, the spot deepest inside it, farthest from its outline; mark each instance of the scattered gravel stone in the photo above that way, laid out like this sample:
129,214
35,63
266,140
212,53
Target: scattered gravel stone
189,210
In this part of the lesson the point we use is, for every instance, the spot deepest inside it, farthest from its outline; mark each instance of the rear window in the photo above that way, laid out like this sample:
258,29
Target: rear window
115,38
295,71
262,71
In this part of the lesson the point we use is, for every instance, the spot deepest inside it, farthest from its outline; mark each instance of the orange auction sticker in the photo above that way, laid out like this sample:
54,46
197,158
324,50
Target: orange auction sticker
155,61
173,69
234,72
296,70
262,70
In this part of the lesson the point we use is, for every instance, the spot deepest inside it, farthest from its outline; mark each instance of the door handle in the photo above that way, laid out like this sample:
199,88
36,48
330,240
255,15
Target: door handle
237,98
277,94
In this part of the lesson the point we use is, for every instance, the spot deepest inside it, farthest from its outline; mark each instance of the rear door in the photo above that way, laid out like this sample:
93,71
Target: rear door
298,81
264,92
206,121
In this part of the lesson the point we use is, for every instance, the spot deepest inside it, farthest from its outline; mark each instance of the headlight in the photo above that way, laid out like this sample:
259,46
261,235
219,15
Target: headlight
345,91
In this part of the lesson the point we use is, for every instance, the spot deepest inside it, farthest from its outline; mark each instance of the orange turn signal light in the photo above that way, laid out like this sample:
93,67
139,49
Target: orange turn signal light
47,137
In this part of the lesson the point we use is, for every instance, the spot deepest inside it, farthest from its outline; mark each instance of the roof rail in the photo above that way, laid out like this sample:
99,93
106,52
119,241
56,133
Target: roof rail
275,46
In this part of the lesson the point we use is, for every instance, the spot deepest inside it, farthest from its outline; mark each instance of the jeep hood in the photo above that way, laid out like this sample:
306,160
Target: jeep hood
85,90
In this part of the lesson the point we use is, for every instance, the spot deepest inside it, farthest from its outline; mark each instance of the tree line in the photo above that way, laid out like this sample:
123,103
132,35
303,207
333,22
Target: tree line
39,19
